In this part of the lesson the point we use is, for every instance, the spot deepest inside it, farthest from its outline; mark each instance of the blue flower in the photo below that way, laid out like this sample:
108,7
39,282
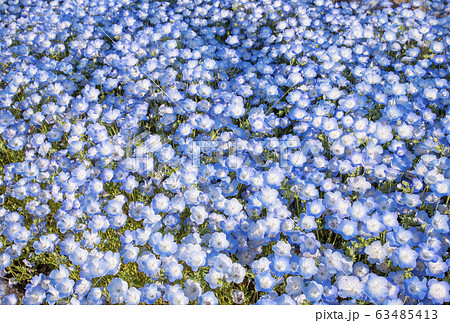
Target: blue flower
5,261
148,264
264,282
440,223
46,243
348,229
34,296
416,288
129,253
117,289
150,294
208,298
313,291
376,288
404,257
173,270
438,291
133,296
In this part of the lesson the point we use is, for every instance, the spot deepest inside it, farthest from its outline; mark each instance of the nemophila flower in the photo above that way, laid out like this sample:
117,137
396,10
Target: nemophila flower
177,298
34,296
307,267
348,229
313,291
322,275
330,293
376,252
98,223
294,285
332,222
219,241
133,296
390,220
438,291
273,177
261,265
45,243
307,223
315,208
336,262
16,143
67,222
265,300
222,263
114,207
52,295
373,226
57,275
198,214
90,239
213,277
164,245
282,248
129,253
436,268
357,211
401,237
142,236
173,270
416,288
427,252
110,262
412,200
404,257
10,299
95,296
236,274
148,264
82,287
280,265
5,261
441,188
78,256
192,290
117,290
68,245
208,298
437,47
264,282
359,184
150,294
65,287
257,230
376,288
440,223
232,207
350,286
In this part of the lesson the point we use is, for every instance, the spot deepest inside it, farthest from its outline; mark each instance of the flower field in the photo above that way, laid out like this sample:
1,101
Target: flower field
224,152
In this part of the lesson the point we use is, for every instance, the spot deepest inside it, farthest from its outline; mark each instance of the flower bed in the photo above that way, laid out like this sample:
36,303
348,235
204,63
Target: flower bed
223,152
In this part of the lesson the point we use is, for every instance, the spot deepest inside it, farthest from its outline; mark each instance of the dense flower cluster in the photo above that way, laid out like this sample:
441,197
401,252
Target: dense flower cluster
223,151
